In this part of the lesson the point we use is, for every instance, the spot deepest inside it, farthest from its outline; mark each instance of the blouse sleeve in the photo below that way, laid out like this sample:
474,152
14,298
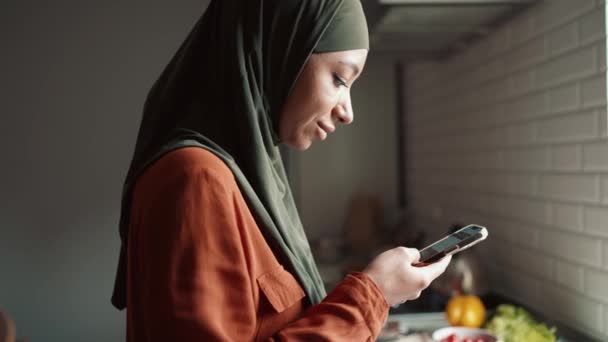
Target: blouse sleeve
196,284
354,311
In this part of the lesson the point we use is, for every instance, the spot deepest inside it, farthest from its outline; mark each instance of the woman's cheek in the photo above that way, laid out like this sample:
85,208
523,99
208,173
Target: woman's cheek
327,101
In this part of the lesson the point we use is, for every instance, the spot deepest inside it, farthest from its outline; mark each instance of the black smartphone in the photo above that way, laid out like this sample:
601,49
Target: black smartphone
458,241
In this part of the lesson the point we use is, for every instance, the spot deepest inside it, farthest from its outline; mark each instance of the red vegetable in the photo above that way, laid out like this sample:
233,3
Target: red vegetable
451,338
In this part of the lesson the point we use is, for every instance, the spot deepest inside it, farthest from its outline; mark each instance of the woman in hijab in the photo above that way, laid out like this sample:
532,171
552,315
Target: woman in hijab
212,245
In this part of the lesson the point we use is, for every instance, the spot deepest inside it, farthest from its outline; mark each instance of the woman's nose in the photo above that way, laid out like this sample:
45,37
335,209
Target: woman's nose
343,111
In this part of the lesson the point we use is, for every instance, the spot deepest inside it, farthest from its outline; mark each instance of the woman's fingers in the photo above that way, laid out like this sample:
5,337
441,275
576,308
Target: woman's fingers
412,254
435,269
398,279
415,255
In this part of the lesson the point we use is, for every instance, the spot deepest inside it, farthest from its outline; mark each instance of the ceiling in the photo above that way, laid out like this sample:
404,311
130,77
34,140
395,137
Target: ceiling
434,29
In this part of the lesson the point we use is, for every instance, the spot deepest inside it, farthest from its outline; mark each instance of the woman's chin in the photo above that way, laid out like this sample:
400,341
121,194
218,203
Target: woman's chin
301,144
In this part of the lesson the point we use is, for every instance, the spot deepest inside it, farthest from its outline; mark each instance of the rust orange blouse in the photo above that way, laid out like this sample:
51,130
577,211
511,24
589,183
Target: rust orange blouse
199,268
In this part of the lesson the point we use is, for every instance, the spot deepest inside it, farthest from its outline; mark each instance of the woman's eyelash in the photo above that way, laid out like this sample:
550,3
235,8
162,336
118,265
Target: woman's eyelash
340,80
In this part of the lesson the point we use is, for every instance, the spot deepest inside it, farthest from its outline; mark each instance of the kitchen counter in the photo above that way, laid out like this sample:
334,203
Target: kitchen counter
425,315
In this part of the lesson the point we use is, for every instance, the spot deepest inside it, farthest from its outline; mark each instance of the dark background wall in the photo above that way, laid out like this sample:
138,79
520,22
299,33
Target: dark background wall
74,77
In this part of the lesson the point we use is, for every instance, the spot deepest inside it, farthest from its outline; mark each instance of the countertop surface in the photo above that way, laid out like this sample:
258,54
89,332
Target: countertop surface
416,319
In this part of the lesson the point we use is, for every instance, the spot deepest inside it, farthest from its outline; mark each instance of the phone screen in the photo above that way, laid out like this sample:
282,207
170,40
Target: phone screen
453,243
438,247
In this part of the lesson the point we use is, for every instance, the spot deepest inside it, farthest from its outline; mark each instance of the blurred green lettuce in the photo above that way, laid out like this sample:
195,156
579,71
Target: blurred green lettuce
515,324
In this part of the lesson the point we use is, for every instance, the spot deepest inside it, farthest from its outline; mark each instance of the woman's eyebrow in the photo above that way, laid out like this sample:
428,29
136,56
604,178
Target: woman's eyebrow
354,66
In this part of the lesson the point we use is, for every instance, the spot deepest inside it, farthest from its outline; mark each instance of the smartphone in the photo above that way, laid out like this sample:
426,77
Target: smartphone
458,241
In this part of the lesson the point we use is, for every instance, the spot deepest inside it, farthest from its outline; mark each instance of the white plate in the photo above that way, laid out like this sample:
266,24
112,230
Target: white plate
463,332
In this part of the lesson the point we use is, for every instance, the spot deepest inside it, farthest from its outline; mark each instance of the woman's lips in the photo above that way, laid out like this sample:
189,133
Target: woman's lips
321,132
326,127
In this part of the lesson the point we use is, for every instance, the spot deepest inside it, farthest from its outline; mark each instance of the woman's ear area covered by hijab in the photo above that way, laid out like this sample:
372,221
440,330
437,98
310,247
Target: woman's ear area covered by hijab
321,97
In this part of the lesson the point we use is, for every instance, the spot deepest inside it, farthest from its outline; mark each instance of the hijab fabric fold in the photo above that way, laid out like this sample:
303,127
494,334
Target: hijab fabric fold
223,91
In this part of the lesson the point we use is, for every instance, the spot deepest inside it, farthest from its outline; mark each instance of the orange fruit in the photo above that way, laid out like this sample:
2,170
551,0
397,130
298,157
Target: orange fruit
467,311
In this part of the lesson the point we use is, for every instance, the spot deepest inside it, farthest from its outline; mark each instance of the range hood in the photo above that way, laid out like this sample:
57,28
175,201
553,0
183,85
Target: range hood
434,29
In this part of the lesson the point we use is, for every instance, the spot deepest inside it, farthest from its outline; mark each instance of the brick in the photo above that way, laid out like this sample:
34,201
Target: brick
487,182
567,216
484,251
490,92
512,232
520,286
572,246
523,209
596,284
527,54
522,28
568,127
606,255
563,38
570,187
564,98
522,82
495,114
500,41
531,263
572,308
496,273
566,157
467,120
526,288
605,336
595,156
487,204
605,190
489,137
596,220
520,184
601,55
490,70
515,232
593,26
603,123
502,250
568,67
472,120
528,159
521,134
593,91
556,12
569,275
490,160
491,204
526,107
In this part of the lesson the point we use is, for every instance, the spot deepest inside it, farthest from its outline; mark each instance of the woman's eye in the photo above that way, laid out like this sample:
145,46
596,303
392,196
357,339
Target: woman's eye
339,81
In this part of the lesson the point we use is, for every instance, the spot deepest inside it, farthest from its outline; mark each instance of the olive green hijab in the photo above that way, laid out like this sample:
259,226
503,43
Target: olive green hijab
224,90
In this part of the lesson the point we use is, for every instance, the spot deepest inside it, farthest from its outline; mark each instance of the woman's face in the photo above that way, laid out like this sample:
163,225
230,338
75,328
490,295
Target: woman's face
321,97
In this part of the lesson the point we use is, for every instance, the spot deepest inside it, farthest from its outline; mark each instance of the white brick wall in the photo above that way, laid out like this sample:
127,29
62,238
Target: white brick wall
569,275
566,157
605,193
567,216
512,133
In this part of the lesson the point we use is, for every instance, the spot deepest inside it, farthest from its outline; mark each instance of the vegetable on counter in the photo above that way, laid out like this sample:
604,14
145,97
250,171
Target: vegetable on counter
454,338
515,324
466,310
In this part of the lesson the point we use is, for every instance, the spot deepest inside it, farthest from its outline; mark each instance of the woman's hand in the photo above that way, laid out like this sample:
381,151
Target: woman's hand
398,279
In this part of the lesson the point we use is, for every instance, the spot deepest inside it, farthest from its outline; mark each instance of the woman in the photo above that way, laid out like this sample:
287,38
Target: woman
213,248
